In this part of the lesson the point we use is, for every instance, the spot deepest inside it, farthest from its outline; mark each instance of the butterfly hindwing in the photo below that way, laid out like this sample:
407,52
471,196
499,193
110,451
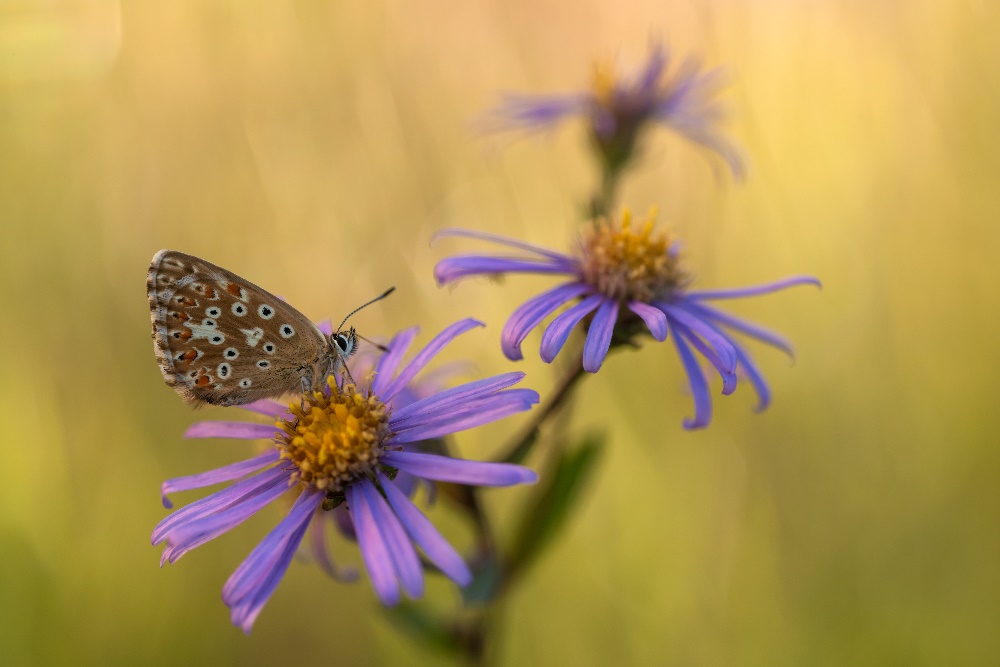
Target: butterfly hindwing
221,339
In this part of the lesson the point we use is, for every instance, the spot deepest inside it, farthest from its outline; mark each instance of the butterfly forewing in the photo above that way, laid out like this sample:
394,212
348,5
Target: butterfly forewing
222,340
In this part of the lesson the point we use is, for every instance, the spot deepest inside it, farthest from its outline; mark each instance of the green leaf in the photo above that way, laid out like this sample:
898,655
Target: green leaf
547,514
429,630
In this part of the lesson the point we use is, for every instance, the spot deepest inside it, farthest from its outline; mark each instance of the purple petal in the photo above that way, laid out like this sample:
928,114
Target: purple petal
464,417
268,408
650,76
406,483
345,524
374,552
456,395
388,362
558,331
720,344
317,545
687,106
460,471
502,240
253,582
460,417
197,531
420,529
325,327
595,349
531,313
532,112
696,132
689,87
242,430
452,269
753,374
220,500
755,290
728,376
404,556
223,474
425,355
699,387
654,318
749,328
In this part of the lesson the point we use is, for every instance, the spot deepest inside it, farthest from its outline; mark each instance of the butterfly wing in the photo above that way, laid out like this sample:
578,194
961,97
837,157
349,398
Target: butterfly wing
222,340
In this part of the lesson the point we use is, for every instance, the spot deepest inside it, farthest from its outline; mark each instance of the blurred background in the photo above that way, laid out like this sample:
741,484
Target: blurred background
314,147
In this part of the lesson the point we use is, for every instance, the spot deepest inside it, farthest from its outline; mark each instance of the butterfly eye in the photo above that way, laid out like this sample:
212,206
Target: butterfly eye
343,342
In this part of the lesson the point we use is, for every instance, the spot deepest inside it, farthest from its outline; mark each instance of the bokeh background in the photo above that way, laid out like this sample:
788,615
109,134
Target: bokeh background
314,147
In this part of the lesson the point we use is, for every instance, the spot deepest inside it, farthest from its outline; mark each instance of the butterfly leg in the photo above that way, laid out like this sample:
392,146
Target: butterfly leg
346,371
306,386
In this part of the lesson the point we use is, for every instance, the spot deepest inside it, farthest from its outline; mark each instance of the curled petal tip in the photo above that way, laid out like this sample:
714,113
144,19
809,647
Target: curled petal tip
471,321
438,280
513,352
808,280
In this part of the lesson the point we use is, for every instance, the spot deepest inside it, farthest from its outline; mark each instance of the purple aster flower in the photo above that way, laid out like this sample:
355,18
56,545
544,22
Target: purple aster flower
347,444
624,281
422,386
618,109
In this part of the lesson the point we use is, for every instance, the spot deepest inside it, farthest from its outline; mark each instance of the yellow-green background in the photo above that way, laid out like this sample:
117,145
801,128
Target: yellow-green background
314,147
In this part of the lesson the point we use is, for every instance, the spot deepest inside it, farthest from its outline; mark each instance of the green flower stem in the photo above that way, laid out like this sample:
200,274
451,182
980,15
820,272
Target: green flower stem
518,450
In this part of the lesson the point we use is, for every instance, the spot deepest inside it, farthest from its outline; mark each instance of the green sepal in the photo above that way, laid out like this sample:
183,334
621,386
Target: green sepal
487,578
333,500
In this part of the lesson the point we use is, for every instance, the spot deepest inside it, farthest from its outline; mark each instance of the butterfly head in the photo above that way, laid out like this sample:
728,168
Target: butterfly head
345,343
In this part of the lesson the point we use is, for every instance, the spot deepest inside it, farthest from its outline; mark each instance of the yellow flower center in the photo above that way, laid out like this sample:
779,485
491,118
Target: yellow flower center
627,263
604,82
334,440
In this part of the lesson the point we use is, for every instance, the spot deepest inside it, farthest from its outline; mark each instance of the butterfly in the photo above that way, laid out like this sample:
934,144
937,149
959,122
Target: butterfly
221,340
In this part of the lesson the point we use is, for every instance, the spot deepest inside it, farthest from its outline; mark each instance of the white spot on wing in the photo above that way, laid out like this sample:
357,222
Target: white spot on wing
205,331
253,335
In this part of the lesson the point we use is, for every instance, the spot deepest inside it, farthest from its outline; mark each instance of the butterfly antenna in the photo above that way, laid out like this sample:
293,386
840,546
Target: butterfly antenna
381,348
365,305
